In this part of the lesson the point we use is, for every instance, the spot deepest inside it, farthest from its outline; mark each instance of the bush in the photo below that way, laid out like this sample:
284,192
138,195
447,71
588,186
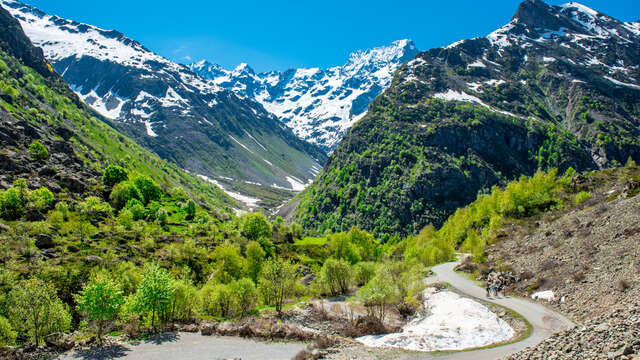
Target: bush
190,209
229,262
335,276
38,151
124,192
186,300
255,256
137,209
277,280
582,196
41,199
155,293
125,219
161,216
113,175
7,335
93,208
340,247
36,310
101,298
255,227
217,299
378,295
149,190
244,296
11,205
363,272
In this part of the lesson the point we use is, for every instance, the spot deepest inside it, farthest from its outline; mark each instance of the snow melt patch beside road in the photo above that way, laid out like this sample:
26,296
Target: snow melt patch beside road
544,295
452,323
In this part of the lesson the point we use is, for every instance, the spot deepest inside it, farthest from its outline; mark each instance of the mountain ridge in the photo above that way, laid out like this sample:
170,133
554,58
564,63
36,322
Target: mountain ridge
169,109
319,105
480,112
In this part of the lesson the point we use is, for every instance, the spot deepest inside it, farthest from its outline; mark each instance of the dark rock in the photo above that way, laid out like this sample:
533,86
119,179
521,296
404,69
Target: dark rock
44,241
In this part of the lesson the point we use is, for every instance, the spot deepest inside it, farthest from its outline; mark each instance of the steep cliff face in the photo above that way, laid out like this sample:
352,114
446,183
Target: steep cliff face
166,107
558,86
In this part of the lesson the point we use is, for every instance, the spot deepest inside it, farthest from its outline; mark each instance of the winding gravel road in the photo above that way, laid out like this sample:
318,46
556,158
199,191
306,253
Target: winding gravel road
545,322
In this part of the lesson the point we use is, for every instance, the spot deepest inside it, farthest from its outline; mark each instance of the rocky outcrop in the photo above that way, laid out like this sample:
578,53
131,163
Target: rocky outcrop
60,341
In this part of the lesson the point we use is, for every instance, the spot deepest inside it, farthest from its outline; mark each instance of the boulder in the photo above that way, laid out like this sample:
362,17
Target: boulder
208,329
44,241
60,341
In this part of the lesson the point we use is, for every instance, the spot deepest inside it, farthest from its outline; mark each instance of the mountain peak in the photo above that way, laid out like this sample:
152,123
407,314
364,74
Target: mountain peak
243,68
537,14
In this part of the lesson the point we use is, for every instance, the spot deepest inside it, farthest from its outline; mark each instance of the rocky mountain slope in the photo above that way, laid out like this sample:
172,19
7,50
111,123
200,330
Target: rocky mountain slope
319,105
163,105
558,86
589,258
36,104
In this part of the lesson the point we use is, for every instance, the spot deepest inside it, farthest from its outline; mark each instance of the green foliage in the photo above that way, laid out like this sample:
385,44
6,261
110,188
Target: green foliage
582,196
149,190
94,208
229,263
137,209
124,192
161,216
101,298
155,293
7,335
363,272
244,295
113,175
11,204
36,310
255,256
190,209
378,294
256,228
38,151
341,247
125,218
41,199
277,280
335,277
186,300
217,299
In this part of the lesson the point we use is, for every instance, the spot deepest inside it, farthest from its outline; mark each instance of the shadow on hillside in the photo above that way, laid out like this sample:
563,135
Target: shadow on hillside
102,353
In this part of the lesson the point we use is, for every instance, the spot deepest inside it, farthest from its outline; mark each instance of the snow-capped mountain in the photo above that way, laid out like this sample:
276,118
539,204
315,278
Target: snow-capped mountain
319,105
180,115
556,87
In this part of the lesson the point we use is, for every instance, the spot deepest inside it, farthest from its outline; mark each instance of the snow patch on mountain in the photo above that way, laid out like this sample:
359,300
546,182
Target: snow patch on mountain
319,105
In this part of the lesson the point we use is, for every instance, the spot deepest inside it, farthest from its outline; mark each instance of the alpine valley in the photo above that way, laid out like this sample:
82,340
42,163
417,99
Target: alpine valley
182,117
558,86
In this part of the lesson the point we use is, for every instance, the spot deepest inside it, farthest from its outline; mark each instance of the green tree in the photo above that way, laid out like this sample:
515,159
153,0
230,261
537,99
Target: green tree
229,263
94,208
7,335
38,151
277,281
340,247
41,199
155,293
113,175
162,217
244,296
217,299
101,298
378,295
11,206
185,301
255,256
124,192
149,190
36,310
335,276
190,209
256,227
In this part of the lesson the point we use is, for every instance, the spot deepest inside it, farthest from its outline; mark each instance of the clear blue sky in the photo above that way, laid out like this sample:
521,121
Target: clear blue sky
277,35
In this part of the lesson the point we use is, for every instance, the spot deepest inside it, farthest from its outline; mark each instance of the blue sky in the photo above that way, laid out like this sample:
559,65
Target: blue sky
277,35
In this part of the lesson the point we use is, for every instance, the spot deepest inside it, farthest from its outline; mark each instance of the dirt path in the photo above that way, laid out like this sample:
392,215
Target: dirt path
192,346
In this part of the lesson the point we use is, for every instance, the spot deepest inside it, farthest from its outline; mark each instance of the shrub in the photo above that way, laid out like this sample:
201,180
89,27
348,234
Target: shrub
582,196
155,293
186,300
137,209
255,256
149,190
7,335
113,175
162,217
124,192
335,276
125,218
101,298
38,151
41,199
230,264
378,294
244,296
93,208
277,280
11,204
255,227
217,299
36,310
340,247
363,272
190,209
